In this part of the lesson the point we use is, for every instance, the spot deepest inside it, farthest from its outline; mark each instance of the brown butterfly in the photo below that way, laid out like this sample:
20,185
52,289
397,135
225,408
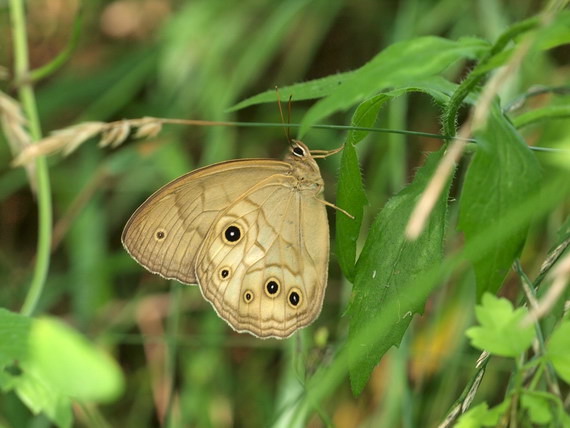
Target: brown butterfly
252,233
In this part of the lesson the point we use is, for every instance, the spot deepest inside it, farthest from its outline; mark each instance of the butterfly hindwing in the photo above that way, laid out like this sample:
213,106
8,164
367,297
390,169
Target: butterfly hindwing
263,264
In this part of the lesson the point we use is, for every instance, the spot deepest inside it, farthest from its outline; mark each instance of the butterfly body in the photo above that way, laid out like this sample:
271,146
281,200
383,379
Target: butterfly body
252,233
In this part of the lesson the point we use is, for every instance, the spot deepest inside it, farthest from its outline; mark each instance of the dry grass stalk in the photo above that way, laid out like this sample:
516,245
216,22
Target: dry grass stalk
69,139
560,278
477,119
14,125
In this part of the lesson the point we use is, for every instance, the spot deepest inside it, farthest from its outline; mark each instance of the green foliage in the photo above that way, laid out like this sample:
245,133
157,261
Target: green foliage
482,416
48,364
386,272
350,194
79,370
418,67
501,175
500,332
538,408
14,332
558,350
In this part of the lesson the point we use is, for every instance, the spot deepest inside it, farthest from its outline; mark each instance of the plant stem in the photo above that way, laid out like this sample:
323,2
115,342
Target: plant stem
28,100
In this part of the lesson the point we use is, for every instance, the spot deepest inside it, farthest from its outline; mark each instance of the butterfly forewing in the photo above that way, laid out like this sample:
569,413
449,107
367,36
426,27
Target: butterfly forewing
166,231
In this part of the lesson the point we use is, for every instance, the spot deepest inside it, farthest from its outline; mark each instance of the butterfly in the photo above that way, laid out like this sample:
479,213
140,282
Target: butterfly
252,233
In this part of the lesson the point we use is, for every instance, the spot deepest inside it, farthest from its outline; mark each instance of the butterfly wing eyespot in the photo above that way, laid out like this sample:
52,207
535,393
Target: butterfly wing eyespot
248,296
295,297
224,273
232,234
272,287
160,235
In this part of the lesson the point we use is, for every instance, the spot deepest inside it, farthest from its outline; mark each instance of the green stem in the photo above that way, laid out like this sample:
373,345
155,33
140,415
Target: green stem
56,63
469,84
28,100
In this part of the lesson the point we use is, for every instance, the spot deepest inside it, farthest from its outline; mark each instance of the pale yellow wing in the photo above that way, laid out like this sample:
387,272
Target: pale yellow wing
264,262
166,231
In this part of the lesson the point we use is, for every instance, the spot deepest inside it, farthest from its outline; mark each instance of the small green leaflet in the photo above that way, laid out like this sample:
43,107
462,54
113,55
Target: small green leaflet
77,369
502,173
38,395
538,407
558,350
481,416
350,192
42,397
352,198
389,286
500,332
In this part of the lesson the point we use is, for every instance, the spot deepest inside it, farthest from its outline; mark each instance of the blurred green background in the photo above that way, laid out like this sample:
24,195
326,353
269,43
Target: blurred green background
195,59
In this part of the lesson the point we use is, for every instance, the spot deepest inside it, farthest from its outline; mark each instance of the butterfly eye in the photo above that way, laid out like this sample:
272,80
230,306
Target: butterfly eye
272,288
224,273
247,296
232,234
159,235
298,151
294,297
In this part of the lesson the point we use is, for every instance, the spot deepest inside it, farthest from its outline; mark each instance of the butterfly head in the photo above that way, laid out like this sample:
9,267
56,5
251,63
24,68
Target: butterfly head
304,167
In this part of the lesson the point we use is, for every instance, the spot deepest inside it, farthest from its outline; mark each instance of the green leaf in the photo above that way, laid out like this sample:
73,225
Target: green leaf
386,287
40,395
37,394
436,86
350,192
69,363
558,350
500,332
352,198
14,333
312,89
541,115
397,66
482,416
538,408
502,173
556,33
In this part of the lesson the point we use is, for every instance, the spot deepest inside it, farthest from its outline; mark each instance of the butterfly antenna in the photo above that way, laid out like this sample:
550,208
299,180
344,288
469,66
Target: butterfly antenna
285,125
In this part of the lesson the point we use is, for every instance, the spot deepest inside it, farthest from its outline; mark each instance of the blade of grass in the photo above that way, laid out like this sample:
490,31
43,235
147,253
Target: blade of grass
27,98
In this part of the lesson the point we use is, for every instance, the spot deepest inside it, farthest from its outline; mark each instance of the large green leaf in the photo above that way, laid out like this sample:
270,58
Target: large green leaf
502,173
438,87
350,193
401,64
404,65
386,276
